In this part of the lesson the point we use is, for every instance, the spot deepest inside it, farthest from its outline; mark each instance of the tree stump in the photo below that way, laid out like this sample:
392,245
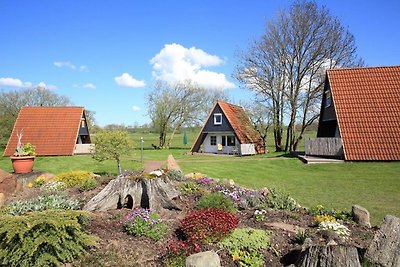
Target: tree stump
329,256
129,192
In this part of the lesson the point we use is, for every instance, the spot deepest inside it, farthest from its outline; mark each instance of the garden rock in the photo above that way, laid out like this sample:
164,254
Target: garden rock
8,183
131,192
329,256
2,199
203,259
361,216
172,165
385,247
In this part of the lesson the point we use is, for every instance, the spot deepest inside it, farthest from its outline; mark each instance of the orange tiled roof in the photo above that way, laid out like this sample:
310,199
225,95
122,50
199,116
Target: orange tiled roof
242,125
367,103
53,130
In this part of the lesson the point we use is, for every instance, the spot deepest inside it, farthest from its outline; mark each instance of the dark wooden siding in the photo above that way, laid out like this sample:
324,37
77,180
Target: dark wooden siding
327,121
224,127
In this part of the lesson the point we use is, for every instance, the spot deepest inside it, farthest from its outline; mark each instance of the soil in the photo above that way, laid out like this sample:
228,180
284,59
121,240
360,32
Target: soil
116,248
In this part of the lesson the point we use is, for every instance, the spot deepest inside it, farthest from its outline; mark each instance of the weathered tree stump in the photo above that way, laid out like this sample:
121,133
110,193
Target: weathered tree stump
385,247
329,256
130,192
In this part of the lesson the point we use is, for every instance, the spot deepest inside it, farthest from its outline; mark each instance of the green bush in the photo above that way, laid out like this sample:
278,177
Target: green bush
45,238
143,222
88,184
176,175
190,188
73,178
246,244
337,214
280,201
217,201
42,203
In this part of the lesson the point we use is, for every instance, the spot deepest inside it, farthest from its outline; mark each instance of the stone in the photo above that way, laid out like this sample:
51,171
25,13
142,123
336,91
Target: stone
361,216
384,249
329,256
4,175
172,165
2,199
203,259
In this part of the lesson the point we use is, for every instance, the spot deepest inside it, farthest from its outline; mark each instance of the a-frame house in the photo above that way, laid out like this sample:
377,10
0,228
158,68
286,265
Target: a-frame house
55,131
228,130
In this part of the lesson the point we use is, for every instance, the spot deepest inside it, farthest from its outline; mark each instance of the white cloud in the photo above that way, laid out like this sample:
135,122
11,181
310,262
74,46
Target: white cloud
89,86
46,86
13,82
175,63
136,109
127,80
68,64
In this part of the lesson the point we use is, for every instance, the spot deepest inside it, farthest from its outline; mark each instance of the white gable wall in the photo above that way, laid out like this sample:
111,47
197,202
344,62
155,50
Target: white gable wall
208,148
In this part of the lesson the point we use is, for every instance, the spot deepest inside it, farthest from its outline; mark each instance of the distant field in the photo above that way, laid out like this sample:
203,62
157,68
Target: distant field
375,186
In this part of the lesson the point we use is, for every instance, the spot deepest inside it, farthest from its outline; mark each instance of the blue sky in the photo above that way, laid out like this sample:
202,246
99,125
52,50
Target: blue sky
105,55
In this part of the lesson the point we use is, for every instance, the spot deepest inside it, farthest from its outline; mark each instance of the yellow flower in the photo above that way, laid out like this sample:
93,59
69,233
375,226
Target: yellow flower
30,185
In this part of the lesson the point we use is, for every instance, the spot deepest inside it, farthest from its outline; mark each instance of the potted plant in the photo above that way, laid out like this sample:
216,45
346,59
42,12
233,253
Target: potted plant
22,159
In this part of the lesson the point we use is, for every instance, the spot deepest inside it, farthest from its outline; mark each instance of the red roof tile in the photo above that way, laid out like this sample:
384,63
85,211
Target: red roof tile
367,103
53,130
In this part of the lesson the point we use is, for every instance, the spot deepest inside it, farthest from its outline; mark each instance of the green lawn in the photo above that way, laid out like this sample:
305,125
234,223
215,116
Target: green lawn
376,186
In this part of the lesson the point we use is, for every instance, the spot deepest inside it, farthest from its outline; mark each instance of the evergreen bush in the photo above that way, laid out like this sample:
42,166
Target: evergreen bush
45,238
73,178
217,201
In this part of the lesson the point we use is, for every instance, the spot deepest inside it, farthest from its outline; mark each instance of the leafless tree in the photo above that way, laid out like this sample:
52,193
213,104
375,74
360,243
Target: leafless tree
171,106
287,65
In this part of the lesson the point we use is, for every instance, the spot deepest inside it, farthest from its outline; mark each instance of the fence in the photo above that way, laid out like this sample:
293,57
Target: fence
331,147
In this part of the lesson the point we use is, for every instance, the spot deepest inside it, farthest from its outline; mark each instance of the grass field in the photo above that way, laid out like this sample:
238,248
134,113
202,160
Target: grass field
376,186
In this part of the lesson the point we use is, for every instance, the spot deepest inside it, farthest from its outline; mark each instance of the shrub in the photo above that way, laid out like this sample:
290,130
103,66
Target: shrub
45,238
341,230
337,214
178,250
260,215
208,225
87,185
324,218
53,187
216,201
73,178
143,222
42,203
189,188
245,245
281,201
176,175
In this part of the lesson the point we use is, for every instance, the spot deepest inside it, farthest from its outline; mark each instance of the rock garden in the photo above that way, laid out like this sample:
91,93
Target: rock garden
166,218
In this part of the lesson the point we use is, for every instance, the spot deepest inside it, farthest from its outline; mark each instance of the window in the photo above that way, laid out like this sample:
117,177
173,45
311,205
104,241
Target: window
83,123
223,140
213,140
328,99
230,140
217,119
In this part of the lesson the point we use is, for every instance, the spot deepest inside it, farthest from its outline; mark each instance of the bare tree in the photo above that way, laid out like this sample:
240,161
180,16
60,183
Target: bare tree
171,106
287,65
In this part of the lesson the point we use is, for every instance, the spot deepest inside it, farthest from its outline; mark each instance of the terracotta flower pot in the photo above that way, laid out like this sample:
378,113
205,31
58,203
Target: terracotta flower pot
22,164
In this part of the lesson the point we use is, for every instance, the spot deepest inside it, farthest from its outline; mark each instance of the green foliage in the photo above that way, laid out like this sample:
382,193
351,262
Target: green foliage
280,201
54,202
53,187
217,201
320,210
190,188
143,222
301,236
88,184
177,261
73,178
25,150
175,175
112,145
246,244
45,238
